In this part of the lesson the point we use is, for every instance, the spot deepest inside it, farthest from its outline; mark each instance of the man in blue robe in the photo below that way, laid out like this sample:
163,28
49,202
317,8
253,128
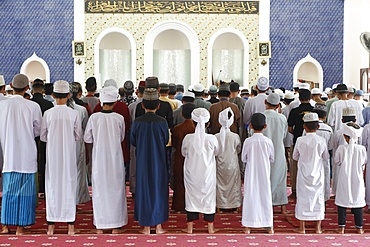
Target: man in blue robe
149,134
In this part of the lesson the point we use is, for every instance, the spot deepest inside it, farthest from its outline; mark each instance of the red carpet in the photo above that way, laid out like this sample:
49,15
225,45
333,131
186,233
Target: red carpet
229,225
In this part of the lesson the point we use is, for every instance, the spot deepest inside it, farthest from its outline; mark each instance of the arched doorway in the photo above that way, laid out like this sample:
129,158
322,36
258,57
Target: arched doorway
115,56
36,67
228,57
309,70
163,57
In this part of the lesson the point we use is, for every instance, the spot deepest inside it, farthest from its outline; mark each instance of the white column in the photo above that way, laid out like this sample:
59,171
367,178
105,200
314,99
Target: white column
264,34
79,35
355,57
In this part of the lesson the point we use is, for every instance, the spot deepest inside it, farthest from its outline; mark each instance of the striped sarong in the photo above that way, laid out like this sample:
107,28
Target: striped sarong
19,199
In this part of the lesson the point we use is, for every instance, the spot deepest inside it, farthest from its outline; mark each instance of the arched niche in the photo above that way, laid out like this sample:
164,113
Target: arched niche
179,41
36,67
115,56
228,57
309,69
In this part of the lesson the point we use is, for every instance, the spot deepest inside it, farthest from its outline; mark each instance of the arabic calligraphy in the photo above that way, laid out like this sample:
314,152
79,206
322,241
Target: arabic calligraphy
171,7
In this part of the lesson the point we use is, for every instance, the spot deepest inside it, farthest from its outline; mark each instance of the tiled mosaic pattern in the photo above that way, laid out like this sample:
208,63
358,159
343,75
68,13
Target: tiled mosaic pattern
301,27
44,27
204,25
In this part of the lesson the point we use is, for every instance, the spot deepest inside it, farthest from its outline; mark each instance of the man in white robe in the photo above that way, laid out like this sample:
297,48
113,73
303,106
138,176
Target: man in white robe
200,150
276,130
61,130
257,154
106,129
310,151
229,193
366,143
350,159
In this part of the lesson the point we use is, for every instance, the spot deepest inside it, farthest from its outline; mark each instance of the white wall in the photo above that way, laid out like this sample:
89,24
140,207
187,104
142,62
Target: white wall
264,34
355,57
116,41
228,41
171,40
79,35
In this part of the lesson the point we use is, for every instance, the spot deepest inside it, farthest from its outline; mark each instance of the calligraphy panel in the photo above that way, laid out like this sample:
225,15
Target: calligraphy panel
171,7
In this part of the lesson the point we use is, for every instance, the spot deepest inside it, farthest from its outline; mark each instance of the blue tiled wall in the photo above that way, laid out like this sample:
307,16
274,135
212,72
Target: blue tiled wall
41,26
299,27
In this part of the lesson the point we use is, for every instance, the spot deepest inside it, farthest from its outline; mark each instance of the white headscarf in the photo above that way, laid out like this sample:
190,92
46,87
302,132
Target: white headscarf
201,116
352,130
226,122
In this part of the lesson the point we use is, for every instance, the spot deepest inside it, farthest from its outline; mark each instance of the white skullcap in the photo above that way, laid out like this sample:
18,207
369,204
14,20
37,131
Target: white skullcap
189,94
273,99
262,83
198,88
190,88
324,95
108,95
28,91
279,92
226,122
310,117
352,130
2,81
288,94
201,116
296,85
315,91
304,86
110,82
348,112
327,90
61,87
334,86
8,88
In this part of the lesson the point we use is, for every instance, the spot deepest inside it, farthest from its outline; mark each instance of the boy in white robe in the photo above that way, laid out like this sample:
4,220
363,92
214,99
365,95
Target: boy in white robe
61,130
106,129
350,159
257,154
310,151
229,193
200,150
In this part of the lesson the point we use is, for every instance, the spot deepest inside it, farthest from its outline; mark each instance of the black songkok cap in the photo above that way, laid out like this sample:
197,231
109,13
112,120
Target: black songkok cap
258,119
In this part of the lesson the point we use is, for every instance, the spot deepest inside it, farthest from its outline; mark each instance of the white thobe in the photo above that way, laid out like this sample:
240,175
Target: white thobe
83,194
310,151
229,192
276,130
257,154
350,159
288,140
200,174
366,143
20,123
336,111
254,105
61,130
106,131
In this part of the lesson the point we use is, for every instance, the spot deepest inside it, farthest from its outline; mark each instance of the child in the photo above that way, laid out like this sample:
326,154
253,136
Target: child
199,150
106,129
310,151
350,160
149,134
61,129
228,189
257,154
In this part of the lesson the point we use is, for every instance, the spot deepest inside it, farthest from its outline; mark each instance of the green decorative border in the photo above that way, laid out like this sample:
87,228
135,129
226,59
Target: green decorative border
171,7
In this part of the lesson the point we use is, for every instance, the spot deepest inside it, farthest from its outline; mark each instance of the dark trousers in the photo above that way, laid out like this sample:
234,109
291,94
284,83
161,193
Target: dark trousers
192,216
357,212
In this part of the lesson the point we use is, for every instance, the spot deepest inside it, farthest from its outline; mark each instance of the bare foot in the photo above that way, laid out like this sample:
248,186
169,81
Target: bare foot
189,228
159,229
340,230
4,230
20,231
99,231
117,231
367,211
284,211
318,231
211,228
71,229
270,230
50,230
360,231
146,230
247,230
299,230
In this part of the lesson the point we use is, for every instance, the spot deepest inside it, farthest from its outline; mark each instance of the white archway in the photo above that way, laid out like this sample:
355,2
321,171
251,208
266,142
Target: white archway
245,55
319,71
36,67
178,26
97,56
